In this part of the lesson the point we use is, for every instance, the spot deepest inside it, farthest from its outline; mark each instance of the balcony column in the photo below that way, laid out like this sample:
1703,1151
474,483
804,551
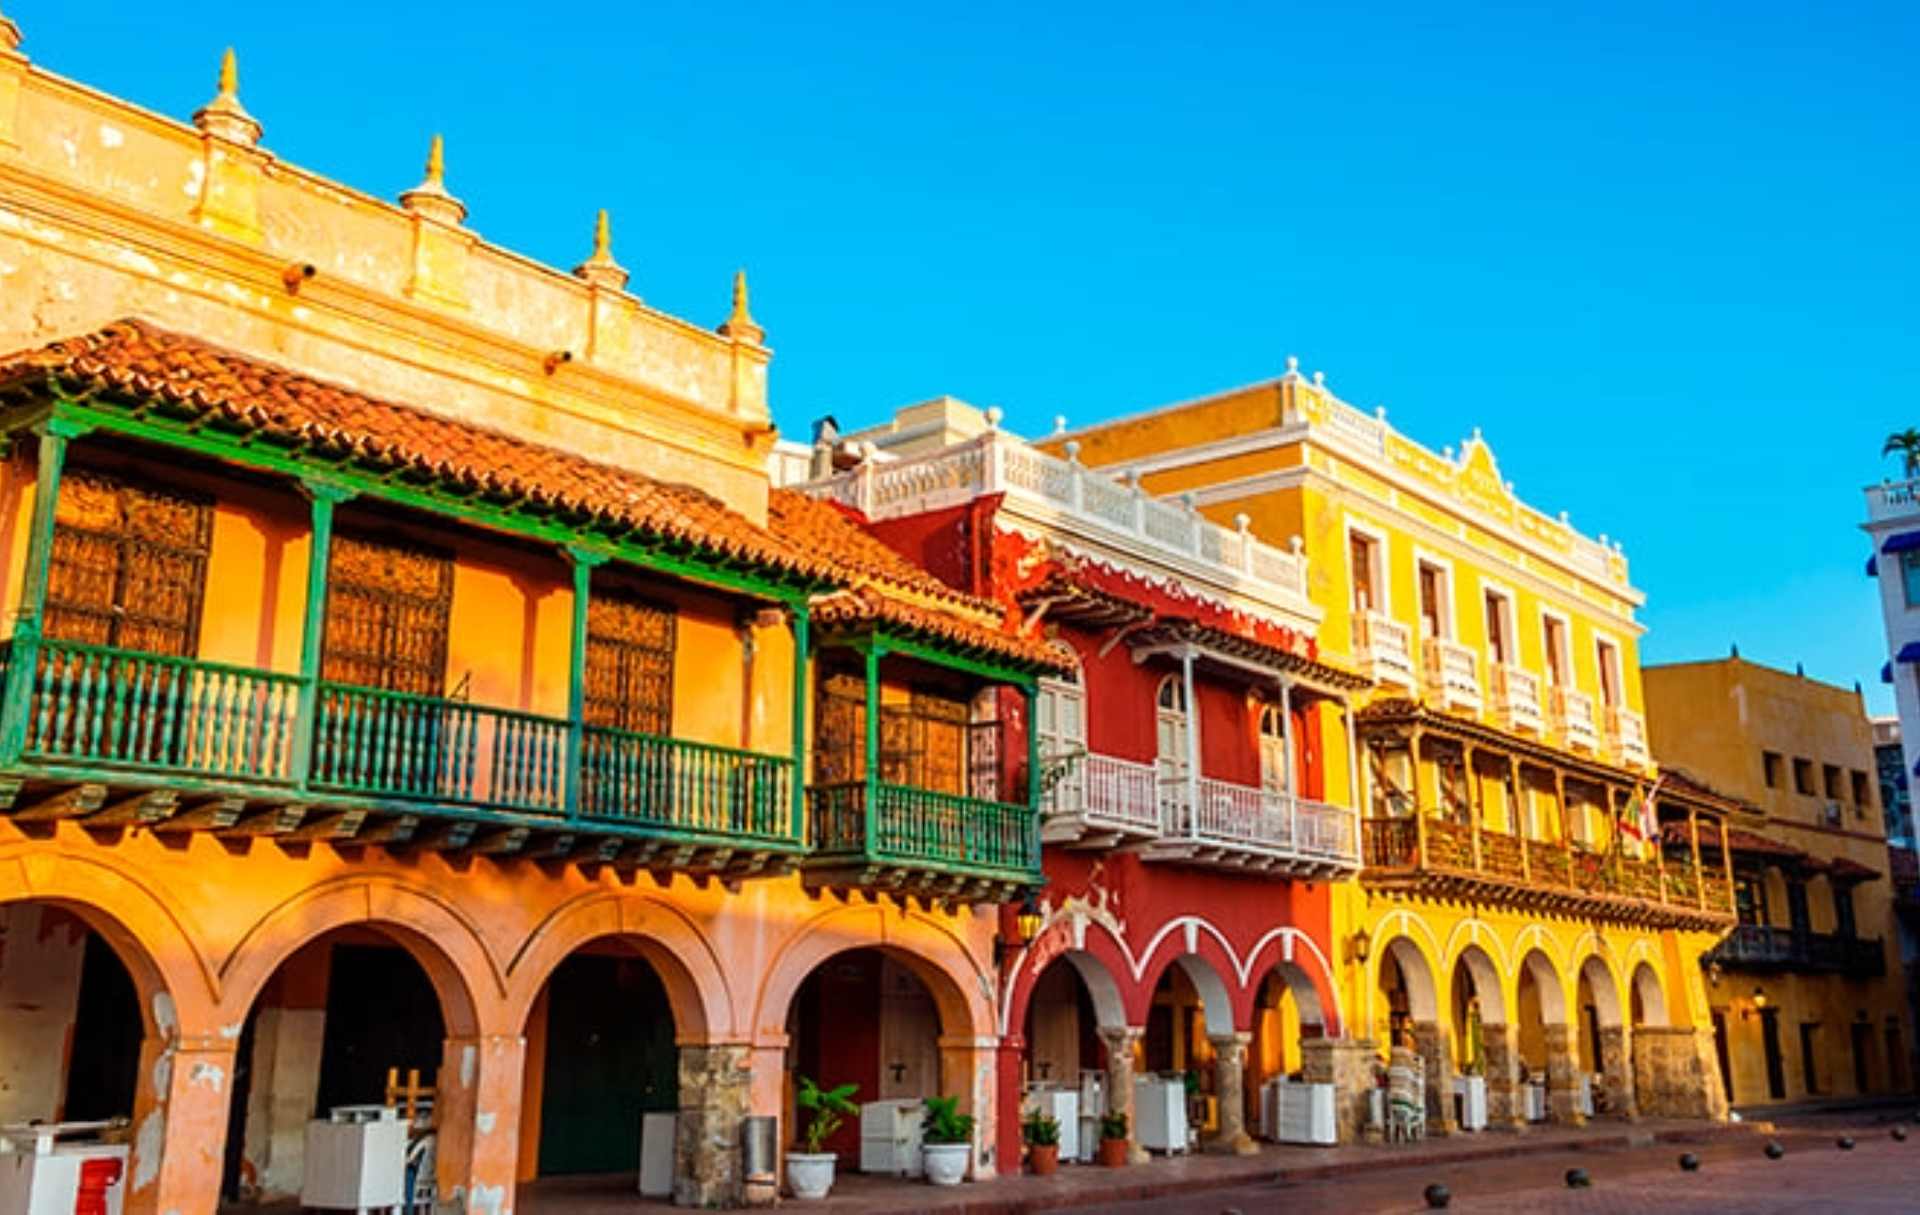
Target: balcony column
800,621
1693,842
1193,742
1516,798
180,1116
322,498
583,562
869,804
1419,812
1468,754
1120,1041
50,461
1291,788
1566,819
1230,1089
1726,863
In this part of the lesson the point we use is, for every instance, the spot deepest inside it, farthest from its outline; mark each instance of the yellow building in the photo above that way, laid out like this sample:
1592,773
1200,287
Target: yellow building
1807,995
1532,952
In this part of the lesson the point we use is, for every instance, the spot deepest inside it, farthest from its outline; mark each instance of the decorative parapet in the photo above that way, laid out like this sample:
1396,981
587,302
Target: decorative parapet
1069,497
1893,500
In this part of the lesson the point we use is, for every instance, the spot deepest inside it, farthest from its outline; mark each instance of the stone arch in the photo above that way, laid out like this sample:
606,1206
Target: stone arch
1487,983
1650,997
1096,955
703,1001
1423,995
151,939
1598,973
1546,978
1282,948
1217,1002
444,942
932,952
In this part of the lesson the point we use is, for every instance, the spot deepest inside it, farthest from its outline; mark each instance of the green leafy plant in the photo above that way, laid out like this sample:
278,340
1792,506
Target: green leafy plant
827,1109
1040,1130
1113,1125
1907,444
944,1123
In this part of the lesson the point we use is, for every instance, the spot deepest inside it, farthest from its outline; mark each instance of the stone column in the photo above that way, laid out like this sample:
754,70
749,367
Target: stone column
1505,1107
1562,1085
1617,1073
179,1124
716,1088
967,1065
1436,1055
1347,1064
1680,1073
1120,1040
1230,1090
1010,1099
1645,1046
477,1121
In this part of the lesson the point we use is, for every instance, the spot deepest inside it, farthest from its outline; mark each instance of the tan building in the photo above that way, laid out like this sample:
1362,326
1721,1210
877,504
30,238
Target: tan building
1806,991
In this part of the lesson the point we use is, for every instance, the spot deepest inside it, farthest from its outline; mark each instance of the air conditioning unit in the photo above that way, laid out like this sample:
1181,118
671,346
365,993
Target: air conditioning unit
1833,814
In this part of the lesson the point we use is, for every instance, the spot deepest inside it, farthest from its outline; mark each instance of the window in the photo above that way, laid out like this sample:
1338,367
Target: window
387,610
1436,610
1554,635
1773,768
1273,749
1843,921
129,565
1803,776
629,680
839,742
1830,780
1861,797
1910,576
1500,628
923,743
1798,917
1608,656
1061,722
1363,552
1171,728
1750,900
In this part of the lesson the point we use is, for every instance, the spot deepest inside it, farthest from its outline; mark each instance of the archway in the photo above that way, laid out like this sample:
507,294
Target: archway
360,1014
1601,1047
1287,1014
1543,1040
1407,1018
1647,1012
1482,1040
1071,1001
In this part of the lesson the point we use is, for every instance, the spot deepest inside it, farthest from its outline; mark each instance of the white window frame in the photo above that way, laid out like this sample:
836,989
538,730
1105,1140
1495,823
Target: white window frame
1566,650
1382,565
1449,618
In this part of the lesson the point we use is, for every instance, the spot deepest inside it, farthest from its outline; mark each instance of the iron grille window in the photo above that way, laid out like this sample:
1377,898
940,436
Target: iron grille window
387,610
129,565
629,665
926,743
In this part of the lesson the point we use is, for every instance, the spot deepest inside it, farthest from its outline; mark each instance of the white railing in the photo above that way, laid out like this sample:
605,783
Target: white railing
1893,500
1573,717
1103,793
1516,697
1628,732
997,462
1384,648
1262,823
1453,673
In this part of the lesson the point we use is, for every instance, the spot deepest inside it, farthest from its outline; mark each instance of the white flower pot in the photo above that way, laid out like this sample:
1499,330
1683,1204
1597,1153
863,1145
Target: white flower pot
946,1163
810,1174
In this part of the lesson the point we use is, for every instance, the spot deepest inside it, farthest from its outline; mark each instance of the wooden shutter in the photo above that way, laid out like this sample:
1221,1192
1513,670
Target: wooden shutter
129,565
387,610
840,735
629,665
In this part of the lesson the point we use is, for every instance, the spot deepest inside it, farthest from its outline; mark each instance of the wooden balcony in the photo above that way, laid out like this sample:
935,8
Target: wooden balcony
1443,859
875,835
1243,827
1100,801
1761,949
114,738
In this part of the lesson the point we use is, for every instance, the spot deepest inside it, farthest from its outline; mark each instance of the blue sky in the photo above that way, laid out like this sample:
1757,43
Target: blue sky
1662,254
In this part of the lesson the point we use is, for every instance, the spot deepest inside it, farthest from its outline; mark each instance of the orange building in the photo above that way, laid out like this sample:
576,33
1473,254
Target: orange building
413,673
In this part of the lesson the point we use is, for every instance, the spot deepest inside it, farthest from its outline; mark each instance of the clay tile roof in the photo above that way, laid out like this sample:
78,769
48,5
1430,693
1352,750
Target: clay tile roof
838,535
134,359
1845,869
1742,841
869,606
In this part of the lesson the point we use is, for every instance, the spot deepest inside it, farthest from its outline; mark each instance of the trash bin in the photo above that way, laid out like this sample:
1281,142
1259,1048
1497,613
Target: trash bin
760,1157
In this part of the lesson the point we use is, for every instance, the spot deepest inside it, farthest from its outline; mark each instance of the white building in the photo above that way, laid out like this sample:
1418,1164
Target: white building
1893,521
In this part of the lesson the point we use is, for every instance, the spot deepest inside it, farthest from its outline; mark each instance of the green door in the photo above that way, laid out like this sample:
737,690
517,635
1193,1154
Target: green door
610,1059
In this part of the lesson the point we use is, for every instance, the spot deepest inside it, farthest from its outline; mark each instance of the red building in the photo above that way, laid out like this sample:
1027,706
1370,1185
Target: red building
1190,831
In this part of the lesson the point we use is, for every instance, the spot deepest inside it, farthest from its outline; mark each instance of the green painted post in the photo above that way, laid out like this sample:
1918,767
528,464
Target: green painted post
1030,696
584,561
801,623
322,497
55,433
872,799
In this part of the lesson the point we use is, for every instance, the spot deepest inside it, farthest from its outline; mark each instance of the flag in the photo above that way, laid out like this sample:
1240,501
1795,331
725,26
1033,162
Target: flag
1640,821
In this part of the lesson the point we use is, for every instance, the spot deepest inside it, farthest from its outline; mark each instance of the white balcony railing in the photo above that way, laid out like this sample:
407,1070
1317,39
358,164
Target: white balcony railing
1244,826
1102,799
1516,698
1893,500
1627,732
1078,499
1384,648
1573,718
1453,674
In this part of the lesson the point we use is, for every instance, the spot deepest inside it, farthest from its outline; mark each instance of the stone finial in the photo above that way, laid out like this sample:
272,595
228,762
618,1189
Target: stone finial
10,38
1072,448
224,117
994,415
1059,423
430,198
1242,521
1380,413
1293,364
740,325
1319,379
600,269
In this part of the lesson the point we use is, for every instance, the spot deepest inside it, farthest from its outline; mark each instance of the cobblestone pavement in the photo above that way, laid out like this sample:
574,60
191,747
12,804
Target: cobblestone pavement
1878,1175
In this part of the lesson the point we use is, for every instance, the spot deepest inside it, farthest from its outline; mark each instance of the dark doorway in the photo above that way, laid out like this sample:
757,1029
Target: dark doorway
1776,1065
1862,1055
1810,1055
610,1059
107,1030
1720,1050
382,1013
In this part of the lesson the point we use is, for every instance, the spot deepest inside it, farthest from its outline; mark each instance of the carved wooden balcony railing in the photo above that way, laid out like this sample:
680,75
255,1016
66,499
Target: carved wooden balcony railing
1756,947
873,833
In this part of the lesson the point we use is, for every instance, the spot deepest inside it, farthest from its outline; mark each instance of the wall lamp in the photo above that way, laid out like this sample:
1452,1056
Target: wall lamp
556,360
296,274
1027,923
1360,946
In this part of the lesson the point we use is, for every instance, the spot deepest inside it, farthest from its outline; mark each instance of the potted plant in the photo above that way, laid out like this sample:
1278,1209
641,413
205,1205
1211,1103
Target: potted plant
1042,1134
810,1173
946,1141
1113,1139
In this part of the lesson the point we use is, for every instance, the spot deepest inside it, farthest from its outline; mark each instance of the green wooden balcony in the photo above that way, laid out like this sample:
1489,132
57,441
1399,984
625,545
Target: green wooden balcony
870,833
112,736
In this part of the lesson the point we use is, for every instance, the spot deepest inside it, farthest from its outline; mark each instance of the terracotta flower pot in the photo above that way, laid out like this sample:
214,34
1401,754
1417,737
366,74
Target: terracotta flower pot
1043,1158
1113,1153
